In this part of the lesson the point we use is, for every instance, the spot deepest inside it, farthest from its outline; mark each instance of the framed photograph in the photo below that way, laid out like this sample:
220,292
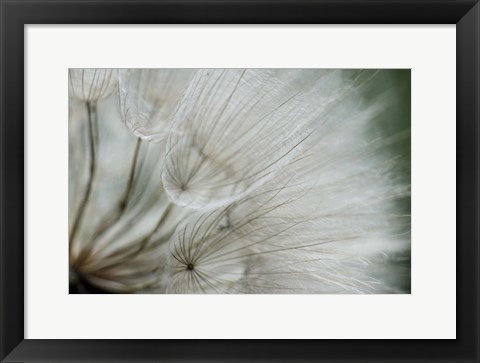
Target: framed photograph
240,181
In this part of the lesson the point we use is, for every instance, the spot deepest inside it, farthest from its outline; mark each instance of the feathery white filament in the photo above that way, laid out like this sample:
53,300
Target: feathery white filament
280,239
149,99
91,85
235,129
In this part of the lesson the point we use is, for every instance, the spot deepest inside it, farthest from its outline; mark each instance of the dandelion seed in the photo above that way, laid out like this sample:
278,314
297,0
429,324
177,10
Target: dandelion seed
237,128
91,85
279,240
149,99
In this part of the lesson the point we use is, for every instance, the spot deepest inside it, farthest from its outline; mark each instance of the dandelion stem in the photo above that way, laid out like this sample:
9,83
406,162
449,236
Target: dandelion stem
143,243
109,221
124,202
92,171
130,252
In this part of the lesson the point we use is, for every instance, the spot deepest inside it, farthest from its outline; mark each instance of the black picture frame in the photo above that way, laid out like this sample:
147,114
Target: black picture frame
17,13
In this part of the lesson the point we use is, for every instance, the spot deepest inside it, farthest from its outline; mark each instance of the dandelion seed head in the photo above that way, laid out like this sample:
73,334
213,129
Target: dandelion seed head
257,181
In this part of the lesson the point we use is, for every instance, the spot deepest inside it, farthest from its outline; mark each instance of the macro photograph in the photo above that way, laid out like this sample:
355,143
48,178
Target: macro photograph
239,181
